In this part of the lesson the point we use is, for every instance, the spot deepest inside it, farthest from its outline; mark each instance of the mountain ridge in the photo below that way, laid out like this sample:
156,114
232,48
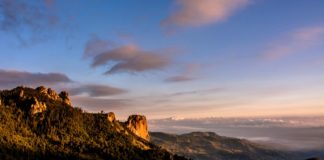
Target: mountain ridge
210,146
41,124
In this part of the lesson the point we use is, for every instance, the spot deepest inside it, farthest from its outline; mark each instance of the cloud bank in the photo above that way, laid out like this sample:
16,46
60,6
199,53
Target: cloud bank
125,58
202,12
12,78
95,90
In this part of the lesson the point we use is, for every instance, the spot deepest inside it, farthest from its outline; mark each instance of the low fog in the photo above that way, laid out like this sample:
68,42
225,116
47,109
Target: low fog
289,133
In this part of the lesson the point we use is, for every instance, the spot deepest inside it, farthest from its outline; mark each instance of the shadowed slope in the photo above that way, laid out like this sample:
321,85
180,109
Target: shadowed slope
208,145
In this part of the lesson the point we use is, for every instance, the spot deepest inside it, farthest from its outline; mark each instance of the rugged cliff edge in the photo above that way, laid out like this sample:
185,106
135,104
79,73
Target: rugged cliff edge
41,124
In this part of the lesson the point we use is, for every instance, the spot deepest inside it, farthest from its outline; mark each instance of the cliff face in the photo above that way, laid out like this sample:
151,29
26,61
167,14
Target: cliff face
138,125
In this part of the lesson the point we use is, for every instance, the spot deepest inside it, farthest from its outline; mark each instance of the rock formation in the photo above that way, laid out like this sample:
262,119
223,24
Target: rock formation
65,97
33,100
42,90
138,125
52,94
111,117
36,106
21,93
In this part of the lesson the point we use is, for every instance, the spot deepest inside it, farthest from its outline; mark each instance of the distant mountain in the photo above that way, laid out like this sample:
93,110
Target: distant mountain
210,146
41,124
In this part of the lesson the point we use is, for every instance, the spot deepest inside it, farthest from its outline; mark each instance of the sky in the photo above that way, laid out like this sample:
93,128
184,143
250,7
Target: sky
169,58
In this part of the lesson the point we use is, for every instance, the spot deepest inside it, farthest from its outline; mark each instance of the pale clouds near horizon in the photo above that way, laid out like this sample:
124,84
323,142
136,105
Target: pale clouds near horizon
292,133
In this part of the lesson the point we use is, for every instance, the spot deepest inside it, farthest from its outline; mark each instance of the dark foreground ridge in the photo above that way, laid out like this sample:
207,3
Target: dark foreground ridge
210,146
41,124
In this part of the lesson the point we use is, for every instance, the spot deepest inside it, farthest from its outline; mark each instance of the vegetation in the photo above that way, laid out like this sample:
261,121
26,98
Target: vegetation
208,145
65,132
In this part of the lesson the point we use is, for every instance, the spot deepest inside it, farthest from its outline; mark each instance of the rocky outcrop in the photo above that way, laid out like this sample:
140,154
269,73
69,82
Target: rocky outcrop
52,94
111,117
47,92
65,97
34,100
42,90
37,107
138,125
21,94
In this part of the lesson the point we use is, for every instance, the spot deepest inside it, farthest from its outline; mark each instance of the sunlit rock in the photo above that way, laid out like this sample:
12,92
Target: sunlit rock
42,90
65,97
37,107
138,125
111,117
52,94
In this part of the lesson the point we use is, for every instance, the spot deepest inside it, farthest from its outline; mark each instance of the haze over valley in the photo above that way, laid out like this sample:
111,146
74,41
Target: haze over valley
162,79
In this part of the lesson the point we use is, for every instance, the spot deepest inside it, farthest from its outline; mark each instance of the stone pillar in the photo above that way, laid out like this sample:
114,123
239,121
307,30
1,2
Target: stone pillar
138,125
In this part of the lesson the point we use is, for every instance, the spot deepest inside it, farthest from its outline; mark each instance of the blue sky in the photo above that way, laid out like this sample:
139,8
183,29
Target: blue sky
181,58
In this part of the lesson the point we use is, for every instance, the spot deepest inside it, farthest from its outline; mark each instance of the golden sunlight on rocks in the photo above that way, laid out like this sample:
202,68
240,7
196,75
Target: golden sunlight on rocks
138,125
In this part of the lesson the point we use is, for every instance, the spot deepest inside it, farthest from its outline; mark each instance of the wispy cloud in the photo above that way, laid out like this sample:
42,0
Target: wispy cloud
95,90
21,17
97,46
292,43
196,92
98,104
186,75
124,58
179,78
12,78
202,12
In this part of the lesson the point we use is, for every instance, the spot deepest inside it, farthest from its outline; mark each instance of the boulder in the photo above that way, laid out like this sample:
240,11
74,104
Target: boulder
47,92
138,125
65,97
42,90
111,117
52,94
37,107
21,94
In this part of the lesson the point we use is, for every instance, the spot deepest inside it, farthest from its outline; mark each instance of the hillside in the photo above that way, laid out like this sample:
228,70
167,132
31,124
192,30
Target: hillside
210,146
41,124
